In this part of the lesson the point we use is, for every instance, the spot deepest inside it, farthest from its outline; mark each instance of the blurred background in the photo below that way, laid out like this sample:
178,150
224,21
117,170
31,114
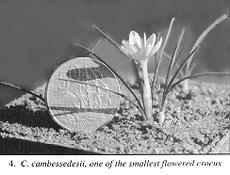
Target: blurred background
37,36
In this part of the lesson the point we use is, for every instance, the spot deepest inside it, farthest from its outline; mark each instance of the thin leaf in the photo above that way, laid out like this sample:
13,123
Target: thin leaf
112,41
204,34
162,51
198,75
191,68
174,55
4,83
150,79
123,81
168,58
106,36
109,90
175,65
154,81
182,65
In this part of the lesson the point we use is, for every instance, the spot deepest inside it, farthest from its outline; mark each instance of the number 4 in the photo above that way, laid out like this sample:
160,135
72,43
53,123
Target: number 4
11,164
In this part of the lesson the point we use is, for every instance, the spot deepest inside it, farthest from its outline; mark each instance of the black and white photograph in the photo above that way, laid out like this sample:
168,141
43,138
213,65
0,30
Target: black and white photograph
115,77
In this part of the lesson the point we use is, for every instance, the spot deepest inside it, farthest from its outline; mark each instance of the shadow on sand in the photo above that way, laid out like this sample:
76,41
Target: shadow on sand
12,146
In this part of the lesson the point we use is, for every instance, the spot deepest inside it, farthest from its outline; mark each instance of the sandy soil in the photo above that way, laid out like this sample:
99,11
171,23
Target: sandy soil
196,121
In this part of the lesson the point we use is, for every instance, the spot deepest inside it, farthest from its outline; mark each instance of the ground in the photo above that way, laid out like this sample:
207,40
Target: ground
196,122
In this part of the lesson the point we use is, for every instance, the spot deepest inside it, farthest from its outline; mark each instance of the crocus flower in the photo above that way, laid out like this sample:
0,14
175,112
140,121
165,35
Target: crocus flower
139,48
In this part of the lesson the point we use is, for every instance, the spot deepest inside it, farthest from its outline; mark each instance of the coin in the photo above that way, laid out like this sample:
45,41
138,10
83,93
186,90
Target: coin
80,107
223,146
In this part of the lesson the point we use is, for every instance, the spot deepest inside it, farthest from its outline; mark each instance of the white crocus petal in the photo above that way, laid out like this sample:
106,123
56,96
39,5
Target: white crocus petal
132,37
156,47
134,49
129,46
126,50
148,50
151,40
123,49
140,49
144,39
138,40
126,44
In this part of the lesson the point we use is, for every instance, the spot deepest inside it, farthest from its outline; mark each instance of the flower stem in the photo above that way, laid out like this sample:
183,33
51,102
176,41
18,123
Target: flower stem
146,90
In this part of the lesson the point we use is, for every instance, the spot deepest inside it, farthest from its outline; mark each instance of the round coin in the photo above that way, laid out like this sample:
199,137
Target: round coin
74,103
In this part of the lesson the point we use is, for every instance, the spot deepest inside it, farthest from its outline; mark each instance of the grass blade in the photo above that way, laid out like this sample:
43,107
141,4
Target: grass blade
182,65
123,81
168,58
4,83
204,34
106,36
109,90
162,50
198,75
156,68
175,65
112,41
174,55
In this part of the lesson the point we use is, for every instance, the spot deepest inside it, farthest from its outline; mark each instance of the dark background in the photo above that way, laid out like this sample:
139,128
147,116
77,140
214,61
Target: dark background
37,35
